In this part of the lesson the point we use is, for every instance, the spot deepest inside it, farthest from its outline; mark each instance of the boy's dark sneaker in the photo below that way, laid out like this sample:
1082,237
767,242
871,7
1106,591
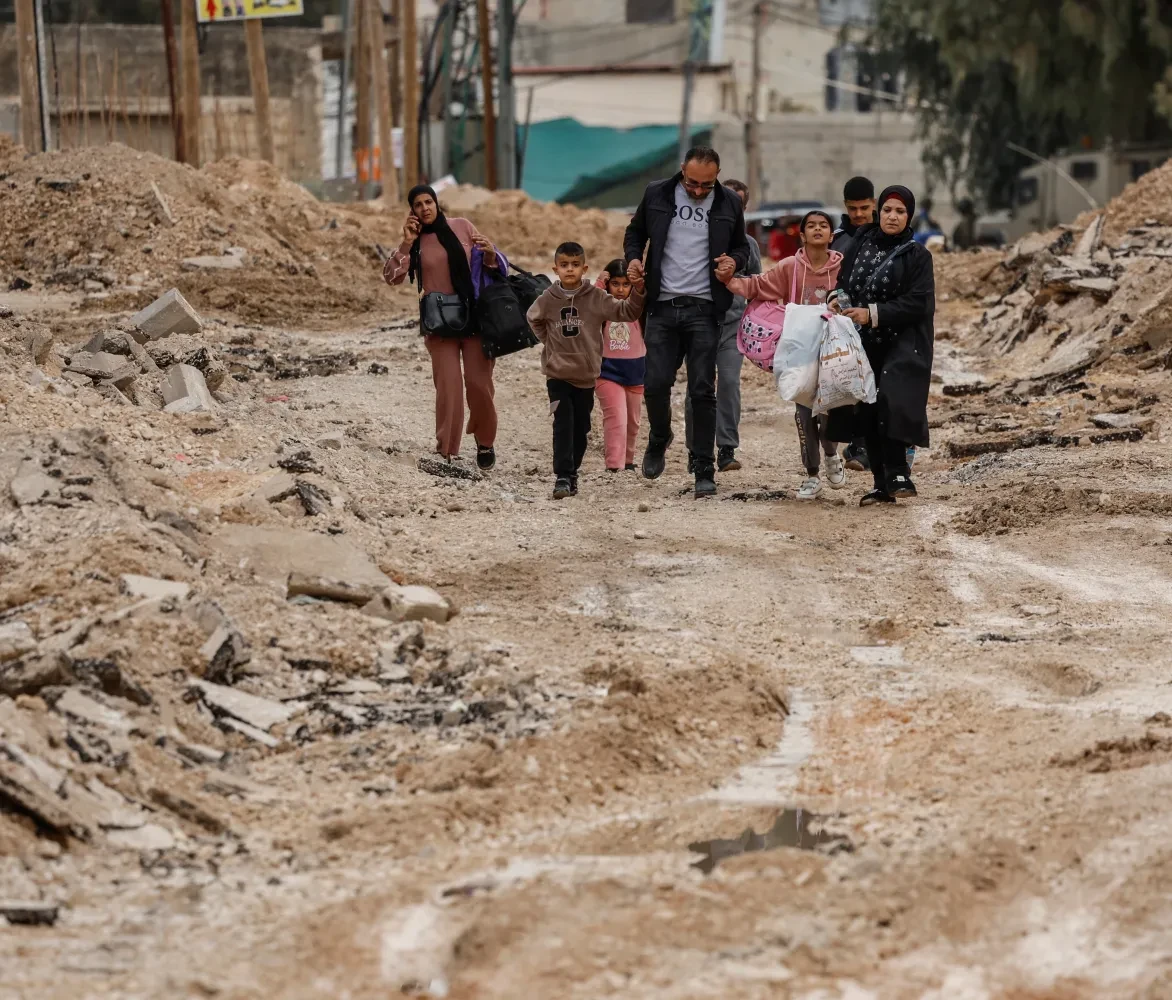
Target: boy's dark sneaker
655,459
856,457
726,460
876,496
901,487
630,467
705,481
485,457
573,485
562,488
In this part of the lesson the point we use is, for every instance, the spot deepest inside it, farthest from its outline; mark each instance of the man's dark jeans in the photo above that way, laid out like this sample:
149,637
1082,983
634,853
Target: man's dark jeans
682,329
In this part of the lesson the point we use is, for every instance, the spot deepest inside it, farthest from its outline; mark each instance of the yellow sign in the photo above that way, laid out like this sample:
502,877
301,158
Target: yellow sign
214,11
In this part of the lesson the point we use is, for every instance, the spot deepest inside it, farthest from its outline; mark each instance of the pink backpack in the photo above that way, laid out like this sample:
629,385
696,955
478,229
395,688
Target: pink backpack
760,330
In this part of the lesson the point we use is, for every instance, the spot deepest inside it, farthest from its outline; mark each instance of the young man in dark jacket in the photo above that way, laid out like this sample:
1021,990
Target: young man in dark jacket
690,222
858,196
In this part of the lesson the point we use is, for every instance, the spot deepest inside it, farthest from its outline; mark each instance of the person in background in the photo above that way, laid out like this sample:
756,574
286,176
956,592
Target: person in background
620,383
805,279
438,251
964,236
728,367
892,299
684,224
568,319
858,196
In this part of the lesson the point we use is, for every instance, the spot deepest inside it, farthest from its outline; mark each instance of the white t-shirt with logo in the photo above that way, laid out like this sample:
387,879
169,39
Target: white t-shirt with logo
686,267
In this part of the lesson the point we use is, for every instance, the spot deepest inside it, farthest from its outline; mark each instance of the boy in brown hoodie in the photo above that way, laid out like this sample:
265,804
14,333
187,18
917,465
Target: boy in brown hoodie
568,318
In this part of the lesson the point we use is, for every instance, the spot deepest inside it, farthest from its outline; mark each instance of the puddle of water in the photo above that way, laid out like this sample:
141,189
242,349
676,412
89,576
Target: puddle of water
798,828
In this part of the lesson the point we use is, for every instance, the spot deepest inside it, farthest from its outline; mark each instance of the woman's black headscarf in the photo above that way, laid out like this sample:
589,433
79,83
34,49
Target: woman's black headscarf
458,267
876,246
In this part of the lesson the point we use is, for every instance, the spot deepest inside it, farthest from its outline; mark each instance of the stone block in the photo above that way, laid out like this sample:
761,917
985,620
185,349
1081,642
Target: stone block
185,391
229,262
410,604
168,314
153,589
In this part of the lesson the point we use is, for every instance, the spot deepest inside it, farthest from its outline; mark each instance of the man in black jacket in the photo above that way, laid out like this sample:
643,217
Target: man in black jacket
690,221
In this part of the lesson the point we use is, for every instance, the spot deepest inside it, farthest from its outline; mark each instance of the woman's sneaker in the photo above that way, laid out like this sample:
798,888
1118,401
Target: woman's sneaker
485,457
563,488
835,471
901,486
811,489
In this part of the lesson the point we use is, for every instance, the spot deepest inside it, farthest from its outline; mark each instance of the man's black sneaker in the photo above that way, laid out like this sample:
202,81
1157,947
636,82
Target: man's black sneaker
655,459
562,488
901,487
573,486
876,496
485,457
726,460
629,467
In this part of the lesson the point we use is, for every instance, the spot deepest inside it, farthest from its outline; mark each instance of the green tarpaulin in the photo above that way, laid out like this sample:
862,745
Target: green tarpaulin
566,161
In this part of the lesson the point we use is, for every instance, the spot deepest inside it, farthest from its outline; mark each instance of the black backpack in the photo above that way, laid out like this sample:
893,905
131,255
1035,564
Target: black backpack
501,310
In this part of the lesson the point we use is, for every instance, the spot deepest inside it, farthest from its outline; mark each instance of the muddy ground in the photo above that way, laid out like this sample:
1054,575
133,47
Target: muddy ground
966,696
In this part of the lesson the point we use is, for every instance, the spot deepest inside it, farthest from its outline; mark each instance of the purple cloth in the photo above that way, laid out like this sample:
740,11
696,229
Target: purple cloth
481,280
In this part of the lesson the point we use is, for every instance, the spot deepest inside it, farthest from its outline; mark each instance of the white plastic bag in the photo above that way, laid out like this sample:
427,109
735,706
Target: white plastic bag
844,373
796,360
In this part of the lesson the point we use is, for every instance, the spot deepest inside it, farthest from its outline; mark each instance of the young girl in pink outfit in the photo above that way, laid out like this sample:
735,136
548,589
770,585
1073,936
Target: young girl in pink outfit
620,385
805,279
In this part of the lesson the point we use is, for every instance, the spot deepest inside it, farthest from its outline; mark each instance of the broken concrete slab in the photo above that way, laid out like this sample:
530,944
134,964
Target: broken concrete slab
274,554
20,787
31,485
197,753
185,391
229,262
254,734
1120,421
259,712
148,837
162,207
410,604
103,366
29,914
84,709
331,588
153,588
16,639
185,809
168,314
1088,243
1102,288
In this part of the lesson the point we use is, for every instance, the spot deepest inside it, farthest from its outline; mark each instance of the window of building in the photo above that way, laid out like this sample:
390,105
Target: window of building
1027,190
650,11
1084,170
1139,168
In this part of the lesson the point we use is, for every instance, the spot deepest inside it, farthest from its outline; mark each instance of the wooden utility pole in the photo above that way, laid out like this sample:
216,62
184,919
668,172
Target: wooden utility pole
362,82
191,110
507,133
393,57
173,80
382,90
753,127
258,71
410,95
30,89
490,177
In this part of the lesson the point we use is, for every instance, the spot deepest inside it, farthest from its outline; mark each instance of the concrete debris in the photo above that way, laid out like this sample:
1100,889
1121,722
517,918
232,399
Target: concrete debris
185,391
455,469
331,588
16,639
229,262
197,753
412,603
102,366
274,554
149,587
333,442
84,709
187,810
261,713
20,787
29,914
257,735
225,651
148,837
168,314
1088,243
30,485
1100,287
162,207
1120,421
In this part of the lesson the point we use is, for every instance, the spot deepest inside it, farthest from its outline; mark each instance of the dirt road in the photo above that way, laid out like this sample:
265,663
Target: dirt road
968,693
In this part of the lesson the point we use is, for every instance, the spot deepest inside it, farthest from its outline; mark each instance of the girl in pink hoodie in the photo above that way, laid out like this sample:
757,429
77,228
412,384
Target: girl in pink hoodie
805,279
620,385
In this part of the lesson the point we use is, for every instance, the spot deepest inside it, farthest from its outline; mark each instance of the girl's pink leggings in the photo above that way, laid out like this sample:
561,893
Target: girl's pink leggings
621,405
